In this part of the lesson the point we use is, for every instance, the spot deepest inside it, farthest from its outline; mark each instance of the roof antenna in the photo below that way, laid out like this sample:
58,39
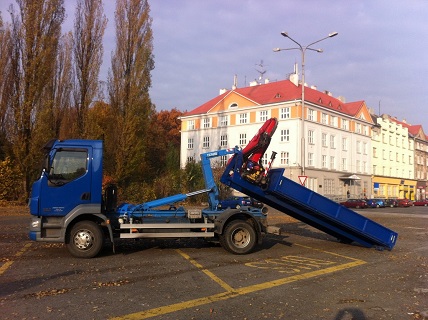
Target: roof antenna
262,70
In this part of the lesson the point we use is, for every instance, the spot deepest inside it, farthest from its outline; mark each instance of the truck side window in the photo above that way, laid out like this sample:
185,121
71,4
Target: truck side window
68,165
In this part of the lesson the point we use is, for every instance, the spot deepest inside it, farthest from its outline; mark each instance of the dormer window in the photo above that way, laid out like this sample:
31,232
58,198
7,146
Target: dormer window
278,95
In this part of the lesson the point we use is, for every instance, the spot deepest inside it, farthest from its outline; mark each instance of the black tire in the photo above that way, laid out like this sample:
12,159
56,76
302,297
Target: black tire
85,239
239,237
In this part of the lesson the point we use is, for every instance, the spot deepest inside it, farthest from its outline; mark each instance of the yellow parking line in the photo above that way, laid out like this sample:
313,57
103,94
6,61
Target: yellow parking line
231,293
7,265
211,275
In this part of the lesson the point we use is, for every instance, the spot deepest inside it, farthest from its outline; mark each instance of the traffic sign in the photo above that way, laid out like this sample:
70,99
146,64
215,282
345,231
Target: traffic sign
303,180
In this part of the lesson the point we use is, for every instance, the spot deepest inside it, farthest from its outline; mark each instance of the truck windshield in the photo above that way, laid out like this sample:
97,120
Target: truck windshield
68,165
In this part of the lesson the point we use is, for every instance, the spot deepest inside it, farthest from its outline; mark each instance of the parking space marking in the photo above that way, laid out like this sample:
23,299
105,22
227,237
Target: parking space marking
7,264
211,275
232,293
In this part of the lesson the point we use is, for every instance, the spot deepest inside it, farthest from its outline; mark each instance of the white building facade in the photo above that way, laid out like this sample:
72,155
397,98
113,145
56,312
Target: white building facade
332,141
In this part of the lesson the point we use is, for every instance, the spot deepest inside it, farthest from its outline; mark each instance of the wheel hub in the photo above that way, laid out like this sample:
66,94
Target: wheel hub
83,239
241,238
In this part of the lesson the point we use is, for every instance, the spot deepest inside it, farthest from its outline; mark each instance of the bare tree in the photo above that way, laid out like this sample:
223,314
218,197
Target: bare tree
129,83
35,34
89,26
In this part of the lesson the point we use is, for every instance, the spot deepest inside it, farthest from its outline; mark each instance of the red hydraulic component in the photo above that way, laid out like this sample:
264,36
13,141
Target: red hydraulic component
252,169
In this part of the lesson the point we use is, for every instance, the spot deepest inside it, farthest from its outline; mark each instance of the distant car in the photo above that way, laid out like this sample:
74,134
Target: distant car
375,203
391,203
354,203
421,203
405,203
235,202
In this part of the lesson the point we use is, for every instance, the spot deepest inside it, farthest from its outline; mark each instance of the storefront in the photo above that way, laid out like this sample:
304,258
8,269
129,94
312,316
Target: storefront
384,187
421,187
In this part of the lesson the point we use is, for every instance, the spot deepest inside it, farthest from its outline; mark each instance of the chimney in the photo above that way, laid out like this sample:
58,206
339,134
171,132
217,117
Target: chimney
253,83
294,78
235,82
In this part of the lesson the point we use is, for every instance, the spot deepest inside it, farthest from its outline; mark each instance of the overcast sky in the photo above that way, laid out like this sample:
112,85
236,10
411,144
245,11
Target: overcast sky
379,56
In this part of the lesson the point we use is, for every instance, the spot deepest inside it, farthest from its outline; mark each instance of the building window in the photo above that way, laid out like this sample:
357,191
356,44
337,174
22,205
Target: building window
285,135
364,147
206,123
206,142
310,159
344,124
223,161
358,146
242,139
358,127
311,115
285,113
332,142
332,163
324,139
190,143
263,115
190,159
265,159
243,118
285,158
224,121
311,136
324,118
358,165
374,152
344,144
324,161
333,121
223,140
191,124
329,187
344,164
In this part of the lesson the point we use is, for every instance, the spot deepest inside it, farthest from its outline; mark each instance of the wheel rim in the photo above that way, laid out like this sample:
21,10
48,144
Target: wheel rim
241,238
83,239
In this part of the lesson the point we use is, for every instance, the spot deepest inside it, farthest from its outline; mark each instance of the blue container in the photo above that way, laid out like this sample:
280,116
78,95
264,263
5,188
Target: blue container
310,207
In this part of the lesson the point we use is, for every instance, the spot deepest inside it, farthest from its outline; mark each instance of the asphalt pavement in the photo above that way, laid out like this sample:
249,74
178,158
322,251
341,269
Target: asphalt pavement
301,274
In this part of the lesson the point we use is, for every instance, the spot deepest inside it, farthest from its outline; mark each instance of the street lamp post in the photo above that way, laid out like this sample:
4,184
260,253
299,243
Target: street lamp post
303,51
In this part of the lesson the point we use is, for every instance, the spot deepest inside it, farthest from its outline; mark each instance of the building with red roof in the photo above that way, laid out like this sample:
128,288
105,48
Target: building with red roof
330,145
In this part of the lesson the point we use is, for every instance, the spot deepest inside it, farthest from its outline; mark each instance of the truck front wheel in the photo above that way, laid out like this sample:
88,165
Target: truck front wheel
85,239
239,237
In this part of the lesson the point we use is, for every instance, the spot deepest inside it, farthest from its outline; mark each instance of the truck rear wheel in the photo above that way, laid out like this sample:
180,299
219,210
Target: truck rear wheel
239,237
85,239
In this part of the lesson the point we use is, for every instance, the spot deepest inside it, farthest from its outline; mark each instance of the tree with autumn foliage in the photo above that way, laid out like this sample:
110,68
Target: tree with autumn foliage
35,33
5,86
89,26
128,84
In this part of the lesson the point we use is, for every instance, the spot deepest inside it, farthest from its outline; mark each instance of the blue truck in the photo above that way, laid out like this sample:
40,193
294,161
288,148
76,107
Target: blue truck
68,205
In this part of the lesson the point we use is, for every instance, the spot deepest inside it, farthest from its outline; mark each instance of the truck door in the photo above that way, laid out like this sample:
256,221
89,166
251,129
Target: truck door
68,181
